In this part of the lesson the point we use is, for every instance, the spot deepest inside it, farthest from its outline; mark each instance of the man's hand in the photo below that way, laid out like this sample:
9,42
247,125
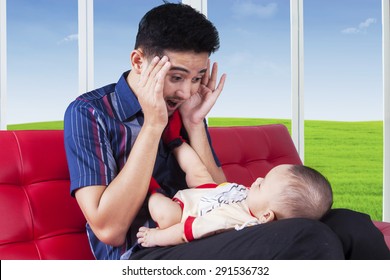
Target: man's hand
150,91
194,110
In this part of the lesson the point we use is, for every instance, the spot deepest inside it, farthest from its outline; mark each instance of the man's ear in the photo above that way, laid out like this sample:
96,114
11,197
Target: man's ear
137,58
267,216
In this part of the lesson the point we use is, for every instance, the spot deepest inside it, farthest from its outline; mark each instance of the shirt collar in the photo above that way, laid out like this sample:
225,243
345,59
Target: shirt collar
128,104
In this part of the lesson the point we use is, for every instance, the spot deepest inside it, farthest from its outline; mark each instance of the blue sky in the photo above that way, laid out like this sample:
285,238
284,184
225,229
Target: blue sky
343,71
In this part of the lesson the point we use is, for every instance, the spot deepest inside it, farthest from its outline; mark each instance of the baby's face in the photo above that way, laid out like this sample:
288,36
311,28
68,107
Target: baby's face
265,191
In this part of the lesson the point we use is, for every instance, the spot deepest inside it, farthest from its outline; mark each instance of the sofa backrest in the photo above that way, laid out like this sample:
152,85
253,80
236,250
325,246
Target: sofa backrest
38,217
249,152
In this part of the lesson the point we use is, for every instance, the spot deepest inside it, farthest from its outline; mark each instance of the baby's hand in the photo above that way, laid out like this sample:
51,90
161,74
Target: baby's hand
146,236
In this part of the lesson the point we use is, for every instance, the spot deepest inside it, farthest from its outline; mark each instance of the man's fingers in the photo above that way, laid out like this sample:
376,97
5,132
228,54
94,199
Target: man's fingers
213,78
221,83
206,76
210,77
160,76
151,71
146,70
156,72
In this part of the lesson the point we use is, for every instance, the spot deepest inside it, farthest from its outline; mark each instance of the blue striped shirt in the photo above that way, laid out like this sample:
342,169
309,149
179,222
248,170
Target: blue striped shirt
100,129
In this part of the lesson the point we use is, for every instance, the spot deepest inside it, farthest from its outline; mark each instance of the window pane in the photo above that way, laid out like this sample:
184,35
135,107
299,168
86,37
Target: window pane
343,82
255,54
42,59
116,26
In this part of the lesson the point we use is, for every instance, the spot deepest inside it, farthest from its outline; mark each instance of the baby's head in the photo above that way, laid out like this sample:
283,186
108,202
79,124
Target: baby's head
290,191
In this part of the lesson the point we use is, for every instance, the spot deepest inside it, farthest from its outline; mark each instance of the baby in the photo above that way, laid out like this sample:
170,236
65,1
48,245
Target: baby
287,191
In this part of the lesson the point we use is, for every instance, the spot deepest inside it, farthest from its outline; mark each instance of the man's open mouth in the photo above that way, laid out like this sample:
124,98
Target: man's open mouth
172,105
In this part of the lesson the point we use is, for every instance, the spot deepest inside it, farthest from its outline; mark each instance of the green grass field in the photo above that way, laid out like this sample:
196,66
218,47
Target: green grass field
349,154
38,125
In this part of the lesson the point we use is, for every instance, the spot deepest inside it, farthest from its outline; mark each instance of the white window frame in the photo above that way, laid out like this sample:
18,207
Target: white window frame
86,45
386,107
3,64
297,77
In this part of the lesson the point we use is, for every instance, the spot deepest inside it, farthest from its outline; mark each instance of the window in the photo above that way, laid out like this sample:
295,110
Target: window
343,82
255,54
42,59
115,26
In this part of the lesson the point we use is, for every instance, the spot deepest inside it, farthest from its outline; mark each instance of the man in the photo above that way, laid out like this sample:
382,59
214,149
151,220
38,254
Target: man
116,157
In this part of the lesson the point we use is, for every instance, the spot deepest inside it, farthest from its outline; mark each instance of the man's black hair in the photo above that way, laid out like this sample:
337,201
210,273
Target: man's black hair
176,27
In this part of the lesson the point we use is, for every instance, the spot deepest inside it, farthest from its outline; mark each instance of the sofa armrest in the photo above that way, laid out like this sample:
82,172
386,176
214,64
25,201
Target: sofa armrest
39,219
384,227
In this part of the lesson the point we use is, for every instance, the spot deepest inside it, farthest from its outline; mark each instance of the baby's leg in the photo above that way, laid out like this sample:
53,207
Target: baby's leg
196,172
164,211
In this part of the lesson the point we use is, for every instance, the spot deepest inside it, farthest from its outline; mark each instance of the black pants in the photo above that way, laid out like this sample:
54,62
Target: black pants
361,239
334,238
285,239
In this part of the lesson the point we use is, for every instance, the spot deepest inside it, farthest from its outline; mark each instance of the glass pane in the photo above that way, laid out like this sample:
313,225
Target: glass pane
42,59
255,54
116,26
343,99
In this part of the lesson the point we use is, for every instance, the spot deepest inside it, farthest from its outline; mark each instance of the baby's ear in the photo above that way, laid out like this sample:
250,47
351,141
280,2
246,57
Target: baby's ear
267,216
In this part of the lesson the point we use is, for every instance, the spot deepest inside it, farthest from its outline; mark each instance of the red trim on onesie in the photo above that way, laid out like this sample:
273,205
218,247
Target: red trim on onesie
178,201
188,228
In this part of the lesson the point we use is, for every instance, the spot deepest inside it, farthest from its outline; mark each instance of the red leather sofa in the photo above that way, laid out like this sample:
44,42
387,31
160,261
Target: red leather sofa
40,220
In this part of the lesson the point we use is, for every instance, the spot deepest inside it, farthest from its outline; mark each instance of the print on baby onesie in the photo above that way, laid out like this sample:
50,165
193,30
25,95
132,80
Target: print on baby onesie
223,194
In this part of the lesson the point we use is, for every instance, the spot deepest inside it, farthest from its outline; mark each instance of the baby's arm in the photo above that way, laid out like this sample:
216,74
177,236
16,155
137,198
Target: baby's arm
151,237
189,161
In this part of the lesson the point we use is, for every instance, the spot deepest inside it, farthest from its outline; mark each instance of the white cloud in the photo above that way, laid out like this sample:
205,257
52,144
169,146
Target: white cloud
69,38
360,28
367,23
248,8
350,30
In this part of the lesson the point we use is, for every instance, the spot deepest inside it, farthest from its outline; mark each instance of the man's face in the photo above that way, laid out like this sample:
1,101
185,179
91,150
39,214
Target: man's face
184,77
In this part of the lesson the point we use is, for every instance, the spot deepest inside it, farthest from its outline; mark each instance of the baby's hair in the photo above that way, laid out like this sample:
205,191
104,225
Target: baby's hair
307,195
